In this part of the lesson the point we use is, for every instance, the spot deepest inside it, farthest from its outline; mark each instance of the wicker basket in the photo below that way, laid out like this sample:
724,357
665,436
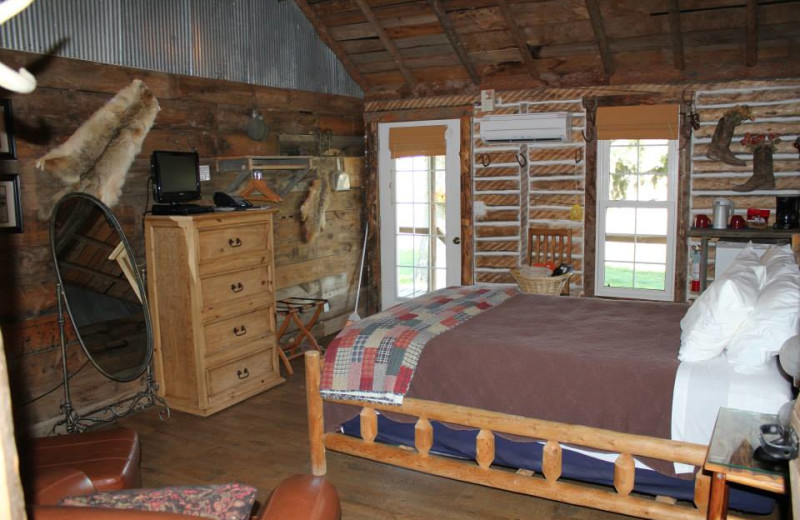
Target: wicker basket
540,284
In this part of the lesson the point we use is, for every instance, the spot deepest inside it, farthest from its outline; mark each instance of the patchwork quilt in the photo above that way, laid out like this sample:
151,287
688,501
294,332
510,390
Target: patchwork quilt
374,359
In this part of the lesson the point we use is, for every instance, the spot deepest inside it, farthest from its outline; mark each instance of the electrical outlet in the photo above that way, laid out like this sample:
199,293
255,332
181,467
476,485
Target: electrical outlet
205,172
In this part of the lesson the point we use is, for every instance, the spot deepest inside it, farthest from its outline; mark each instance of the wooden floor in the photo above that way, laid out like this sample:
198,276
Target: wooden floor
264,440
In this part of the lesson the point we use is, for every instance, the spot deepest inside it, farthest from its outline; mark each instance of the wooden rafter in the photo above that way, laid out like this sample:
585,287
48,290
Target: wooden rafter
751,44
387,42
675,35
519,39
600,35
455,41
337,49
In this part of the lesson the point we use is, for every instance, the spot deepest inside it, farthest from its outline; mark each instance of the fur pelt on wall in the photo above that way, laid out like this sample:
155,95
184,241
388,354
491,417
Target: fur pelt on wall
312,212
97,157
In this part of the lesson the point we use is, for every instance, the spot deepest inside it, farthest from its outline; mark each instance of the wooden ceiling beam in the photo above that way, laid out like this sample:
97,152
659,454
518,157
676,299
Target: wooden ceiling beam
519,39
751,43
455,41
388,43
337,49
675,35
600,35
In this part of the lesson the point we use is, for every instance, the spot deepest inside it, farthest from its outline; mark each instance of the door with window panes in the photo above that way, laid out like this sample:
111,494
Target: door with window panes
419,181
636,215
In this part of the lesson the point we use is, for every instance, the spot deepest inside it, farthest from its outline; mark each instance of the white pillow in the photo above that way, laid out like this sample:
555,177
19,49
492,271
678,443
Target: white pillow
712,320
777,260
776,316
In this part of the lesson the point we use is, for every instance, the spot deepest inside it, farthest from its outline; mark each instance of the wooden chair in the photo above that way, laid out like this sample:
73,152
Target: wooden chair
550,245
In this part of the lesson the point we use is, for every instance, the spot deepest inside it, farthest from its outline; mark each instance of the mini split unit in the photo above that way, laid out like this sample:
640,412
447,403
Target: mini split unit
551,126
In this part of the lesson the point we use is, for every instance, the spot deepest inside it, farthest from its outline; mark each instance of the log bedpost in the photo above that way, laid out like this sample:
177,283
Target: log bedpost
316,422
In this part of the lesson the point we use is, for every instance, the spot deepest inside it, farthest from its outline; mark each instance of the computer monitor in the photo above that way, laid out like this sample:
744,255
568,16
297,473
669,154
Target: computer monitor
176,176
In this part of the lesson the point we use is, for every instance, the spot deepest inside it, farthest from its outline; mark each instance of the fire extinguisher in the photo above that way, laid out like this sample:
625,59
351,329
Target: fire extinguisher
695,285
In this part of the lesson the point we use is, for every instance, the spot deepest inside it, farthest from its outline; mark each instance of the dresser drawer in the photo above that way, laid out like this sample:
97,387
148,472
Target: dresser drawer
253,369
246,284
232,333
225,243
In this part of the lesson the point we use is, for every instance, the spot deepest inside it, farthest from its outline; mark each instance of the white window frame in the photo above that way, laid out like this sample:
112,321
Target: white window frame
603,203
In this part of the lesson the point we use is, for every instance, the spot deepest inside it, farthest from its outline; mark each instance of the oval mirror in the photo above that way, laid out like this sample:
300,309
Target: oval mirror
104,294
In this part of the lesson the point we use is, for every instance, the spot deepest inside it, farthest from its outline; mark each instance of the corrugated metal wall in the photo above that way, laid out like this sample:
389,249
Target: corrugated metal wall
264,42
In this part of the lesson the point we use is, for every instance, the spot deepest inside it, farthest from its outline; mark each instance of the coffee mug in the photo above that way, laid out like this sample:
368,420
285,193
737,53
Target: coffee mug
738,222
702,221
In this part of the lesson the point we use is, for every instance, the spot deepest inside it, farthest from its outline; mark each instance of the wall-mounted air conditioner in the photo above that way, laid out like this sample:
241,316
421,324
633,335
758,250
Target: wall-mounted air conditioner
550,126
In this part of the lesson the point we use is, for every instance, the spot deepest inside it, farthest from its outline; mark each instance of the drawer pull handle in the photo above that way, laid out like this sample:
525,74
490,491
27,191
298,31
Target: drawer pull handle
240,331
235,242
243,374
237,287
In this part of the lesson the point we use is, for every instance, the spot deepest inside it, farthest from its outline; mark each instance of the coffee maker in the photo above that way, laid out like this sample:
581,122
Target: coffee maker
787,213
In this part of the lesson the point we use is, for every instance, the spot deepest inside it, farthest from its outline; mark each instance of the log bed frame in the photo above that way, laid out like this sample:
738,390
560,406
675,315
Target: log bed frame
481,471
548,485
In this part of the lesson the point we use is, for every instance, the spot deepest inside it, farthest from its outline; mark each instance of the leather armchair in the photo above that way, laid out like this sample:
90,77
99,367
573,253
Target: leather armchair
108,460
301,497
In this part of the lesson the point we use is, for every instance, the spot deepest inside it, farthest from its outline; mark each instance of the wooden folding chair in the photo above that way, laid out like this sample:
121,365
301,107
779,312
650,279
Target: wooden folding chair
550,246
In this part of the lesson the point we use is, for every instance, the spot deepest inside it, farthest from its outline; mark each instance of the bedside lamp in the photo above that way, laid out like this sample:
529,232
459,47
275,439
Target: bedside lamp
789,358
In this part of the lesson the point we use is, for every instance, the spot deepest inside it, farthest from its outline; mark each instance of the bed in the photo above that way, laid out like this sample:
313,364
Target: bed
440,401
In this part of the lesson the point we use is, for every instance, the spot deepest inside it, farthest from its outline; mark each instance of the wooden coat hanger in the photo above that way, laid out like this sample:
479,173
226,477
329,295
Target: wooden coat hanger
257,186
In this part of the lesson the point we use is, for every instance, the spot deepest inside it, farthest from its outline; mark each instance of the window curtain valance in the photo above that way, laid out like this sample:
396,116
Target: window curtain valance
638,122
410,141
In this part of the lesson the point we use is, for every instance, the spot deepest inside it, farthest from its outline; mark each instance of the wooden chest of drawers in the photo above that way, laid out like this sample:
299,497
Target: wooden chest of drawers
211,283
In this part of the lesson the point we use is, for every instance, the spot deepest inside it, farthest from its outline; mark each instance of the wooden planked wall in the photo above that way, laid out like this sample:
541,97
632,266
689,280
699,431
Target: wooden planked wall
207,115
554,174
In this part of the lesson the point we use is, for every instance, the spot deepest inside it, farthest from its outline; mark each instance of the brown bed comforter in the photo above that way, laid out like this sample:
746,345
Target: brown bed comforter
602,363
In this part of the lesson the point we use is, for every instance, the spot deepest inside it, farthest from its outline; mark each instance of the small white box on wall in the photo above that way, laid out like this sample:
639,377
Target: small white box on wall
487,100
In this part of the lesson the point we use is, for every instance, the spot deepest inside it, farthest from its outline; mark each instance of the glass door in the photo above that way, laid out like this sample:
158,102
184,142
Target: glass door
420,215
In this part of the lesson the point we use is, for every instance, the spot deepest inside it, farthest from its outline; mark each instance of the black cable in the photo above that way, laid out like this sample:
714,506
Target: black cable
147,196
146,200
59,385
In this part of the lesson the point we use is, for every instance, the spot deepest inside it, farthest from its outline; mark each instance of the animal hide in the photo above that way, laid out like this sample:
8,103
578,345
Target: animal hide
97,157
312,212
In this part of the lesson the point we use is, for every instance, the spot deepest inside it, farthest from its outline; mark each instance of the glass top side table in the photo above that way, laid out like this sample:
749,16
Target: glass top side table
730,458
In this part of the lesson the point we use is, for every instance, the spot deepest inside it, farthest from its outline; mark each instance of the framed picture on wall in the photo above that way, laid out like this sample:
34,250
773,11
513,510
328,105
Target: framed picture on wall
10,204
8,147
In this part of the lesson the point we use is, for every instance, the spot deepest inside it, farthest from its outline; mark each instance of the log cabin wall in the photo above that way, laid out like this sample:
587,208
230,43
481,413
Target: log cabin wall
775,109
554,174
519,186
210,116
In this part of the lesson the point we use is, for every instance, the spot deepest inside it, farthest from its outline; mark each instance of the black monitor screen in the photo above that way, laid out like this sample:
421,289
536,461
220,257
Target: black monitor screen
176,176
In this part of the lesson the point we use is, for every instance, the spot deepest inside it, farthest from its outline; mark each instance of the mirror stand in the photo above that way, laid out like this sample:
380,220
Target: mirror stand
75,422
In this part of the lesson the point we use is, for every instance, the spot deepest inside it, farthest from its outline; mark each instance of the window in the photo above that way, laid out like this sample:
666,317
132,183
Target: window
419,184
636,218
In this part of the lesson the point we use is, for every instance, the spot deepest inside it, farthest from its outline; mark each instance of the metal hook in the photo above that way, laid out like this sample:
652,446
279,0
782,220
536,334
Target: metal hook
485,159
521,159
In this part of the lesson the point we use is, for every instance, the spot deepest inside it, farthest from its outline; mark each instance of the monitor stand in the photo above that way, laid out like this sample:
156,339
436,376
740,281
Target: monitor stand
180,209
